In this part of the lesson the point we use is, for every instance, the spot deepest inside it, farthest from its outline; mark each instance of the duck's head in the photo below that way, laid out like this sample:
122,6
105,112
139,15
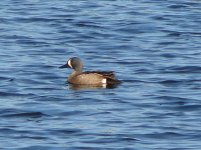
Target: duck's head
74,63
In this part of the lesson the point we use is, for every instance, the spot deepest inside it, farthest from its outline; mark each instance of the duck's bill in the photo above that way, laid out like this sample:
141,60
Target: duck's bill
64,66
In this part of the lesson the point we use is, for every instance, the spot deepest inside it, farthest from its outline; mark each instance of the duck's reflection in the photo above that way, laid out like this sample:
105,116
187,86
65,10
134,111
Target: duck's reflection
83,87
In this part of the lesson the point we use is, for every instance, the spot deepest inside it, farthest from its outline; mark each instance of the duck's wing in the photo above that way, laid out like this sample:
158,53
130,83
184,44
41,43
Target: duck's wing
110,76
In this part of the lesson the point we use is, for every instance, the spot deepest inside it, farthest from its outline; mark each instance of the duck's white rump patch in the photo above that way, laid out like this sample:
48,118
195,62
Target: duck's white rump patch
104,81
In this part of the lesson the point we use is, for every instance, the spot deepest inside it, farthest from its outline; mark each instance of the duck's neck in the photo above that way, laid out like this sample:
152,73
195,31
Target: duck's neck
75,73
77,70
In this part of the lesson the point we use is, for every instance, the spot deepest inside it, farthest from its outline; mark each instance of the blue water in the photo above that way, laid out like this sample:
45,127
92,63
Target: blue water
153,46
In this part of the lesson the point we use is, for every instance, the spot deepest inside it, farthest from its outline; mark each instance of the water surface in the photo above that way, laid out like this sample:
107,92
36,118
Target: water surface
153,46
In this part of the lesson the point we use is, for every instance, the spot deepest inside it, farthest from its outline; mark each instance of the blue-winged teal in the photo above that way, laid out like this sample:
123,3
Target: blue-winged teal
89,77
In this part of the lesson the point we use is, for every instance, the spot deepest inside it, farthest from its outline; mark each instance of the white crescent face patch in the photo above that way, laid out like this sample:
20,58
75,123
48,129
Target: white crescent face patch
69,63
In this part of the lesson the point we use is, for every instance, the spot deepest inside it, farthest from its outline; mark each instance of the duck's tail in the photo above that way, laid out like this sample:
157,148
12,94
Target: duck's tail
113,81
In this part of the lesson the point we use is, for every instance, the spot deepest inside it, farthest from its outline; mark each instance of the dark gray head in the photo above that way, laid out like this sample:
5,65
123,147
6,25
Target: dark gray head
74,63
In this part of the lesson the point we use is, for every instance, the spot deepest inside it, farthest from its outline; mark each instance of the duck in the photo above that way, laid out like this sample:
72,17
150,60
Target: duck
97,78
